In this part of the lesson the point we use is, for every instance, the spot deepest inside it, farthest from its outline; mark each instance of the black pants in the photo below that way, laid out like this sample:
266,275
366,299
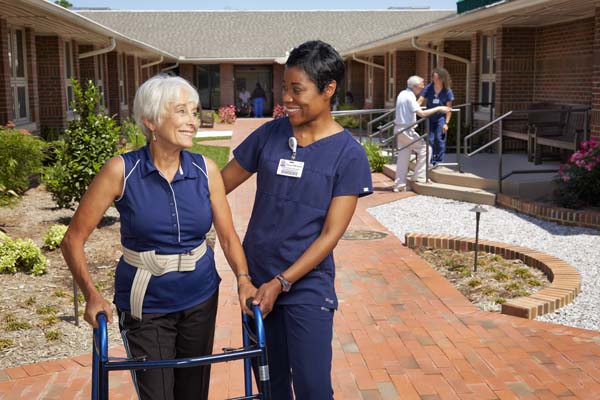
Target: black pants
182,334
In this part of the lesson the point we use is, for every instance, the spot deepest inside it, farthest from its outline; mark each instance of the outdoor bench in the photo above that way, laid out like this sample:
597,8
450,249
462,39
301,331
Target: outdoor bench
207,119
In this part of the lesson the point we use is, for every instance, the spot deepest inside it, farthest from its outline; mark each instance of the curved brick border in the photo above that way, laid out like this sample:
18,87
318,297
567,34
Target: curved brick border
566,281
564,216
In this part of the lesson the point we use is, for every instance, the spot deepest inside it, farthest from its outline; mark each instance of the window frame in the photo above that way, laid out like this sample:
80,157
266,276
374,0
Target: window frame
370,79
100,77
18,82
69,65
121,71
391,76
488,47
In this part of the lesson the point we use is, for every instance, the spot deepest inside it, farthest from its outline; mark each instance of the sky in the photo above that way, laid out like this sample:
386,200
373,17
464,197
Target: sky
263,4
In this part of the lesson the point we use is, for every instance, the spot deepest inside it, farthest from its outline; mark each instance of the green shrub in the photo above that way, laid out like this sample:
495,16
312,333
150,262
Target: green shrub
134,137
579,178
20,156
52,335
347,121
21,254
90,140
54,236
6,343
376,160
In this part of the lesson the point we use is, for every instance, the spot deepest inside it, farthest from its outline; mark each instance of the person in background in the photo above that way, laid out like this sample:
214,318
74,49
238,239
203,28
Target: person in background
244,97
407,110
166,283
258,100
438,93
310,174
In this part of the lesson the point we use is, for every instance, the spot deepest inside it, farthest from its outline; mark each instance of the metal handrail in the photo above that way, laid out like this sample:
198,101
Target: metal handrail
382,129
489,124
373,121
359,113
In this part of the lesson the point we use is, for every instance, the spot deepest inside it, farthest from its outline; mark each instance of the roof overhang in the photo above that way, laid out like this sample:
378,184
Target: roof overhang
516,13
46,18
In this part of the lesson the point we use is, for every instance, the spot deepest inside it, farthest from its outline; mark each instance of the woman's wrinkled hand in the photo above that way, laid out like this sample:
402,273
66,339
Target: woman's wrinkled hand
94,305
266,295
246,290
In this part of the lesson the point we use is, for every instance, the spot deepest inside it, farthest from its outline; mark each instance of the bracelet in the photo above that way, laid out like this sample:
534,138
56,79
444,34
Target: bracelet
245,275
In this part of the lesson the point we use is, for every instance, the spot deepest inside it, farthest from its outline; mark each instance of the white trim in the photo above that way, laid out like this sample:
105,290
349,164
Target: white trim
125,177
197,166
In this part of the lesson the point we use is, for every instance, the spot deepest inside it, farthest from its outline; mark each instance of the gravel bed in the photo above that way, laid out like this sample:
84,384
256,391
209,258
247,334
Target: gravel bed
578,246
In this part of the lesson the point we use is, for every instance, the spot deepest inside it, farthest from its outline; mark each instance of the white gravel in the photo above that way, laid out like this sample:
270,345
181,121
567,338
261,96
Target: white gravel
578,246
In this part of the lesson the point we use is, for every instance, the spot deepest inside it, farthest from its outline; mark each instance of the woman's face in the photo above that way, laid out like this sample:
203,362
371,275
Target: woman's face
179,123
436,78
302,100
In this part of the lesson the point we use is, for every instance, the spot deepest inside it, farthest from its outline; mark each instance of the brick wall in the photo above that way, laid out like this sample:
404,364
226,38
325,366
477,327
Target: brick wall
457,69
595,101
475,59
515,52
378,85
278,70
86,65
51,82
32,77
563,62
130,83
421,66
406,65
5,94
226,84
186,71
112,85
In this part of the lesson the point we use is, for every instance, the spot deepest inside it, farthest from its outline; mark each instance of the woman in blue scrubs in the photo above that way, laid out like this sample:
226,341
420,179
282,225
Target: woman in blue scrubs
310,174
435,94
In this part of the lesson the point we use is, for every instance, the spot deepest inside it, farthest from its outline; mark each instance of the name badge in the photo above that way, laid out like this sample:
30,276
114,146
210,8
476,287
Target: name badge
436,101
290,168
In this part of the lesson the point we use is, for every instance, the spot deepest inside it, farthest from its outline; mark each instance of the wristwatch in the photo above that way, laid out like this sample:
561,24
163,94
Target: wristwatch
285,284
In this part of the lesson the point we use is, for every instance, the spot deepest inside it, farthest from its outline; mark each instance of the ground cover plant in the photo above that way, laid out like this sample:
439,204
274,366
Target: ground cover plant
495,281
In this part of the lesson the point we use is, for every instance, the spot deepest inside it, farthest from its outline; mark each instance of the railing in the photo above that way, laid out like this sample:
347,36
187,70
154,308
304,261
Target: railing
382,117
360,114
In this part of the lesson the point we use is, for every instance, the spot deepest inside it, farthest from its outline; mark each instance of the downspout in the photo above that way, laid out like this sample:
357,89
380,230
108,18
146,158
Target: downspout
171,67
153,63
367,62
111,47
455,58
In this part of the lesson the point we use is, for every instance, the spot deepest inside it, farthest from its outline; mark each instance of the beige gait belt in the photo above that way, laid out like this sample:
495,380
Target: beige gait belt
149,263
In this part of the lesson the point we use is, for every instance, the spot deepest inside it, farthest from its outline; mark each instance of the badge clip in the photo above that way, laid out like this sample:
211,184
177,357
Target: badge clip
293,143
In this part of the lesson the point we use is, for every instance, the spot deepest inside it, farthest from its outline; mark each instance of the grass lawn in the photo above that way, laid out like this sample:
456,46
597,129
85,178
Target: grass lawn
218,154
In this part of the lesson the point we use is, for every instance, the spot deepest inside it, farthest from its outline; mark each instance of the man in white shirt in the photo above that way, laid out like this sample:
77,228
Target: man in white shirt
407,110
244,95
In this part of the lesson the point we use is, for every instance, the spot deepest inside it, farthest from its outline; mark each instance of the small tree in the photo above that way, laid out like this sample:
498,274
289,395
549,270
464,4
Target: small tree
63,3
89,141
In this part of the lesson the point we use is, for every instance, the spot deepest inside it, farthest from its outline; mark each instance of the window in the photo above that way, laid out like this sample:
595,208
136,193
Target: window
121,68
18,75
99,65
69,74
487,71
136,72
370,79
349,76
391,68
208,82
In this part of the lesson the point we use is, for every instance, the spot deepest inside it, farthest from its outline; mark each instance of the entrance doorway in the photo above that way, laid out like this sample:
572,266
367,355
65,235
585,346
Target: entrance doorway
247,76
207,81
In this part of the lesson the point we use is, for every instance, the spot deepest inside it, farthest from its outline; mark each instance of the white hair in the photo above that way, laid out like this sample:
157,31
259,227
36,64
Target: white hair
153,97
414,81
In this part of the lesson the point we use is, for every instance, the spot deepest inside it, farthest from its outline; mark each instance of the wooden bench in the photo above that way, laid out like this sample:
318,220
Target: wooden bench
566,133
558,126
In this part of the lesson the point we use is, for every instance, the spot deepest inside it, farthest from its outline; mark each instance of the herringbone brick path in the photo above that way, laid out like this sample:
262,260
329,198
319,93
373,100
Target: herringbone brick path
402,332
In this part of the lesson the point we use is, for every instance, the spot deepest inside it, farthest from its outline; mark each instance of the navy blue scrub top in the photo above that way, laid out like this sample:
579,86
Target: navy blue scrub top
289,213
443,97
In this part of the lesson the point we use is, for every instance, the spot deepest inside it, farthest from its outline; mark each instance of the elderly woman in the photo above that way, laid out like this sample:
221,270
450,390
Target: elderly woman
310,174
166,284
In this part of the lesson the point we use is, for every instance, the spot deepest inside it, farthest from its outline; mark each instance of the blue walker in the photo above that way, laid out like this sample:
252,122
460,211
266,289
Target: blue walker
254,346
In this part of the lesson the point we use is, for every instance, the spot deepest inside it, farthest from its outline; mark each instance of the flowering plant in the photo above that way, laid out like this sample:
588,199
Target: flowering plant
579,178
227,114
279,111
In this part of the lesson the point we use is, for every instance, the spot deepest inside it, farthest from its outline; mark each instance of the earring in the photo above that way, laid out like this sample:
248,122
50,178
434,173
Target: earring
153,136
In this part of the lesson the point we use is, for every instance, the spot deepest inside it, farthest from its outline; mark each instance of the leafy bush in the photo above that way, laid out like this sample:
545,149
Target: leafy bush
347,121
90,140
54,236
579,178
279,111
227,114
134,137
21,254
376,160
20,156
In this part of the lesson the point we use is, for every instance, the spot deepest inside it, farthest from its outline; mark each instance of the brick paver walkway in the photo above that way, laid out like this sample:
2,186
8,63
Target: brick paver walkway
402,332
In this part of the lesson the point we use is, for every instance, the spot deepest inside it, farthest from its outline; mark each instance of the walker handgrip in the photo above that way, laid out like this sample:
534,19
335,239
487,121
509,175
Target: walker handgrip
249,301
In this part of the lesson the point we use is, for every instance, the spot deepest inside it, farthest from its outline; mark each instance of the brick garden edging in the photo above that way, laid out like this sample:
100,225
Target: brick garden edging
565,280
564,216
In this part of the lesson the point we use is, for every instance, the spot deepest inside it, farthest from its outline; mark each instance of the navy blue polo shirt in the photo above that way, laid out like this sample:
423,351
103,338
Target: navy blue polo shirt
437,99
289,213
170,218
